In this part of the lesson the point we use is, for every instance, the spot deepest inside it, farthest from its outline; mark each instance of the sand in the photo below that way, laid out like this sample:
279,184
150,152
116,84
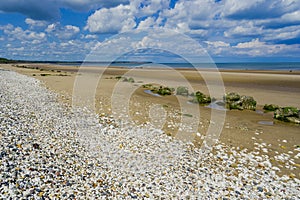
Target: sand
241,129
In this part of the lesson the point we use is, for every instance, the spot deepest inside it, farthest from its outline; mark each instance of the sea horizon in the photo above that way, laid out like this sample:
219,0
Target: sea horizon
294,66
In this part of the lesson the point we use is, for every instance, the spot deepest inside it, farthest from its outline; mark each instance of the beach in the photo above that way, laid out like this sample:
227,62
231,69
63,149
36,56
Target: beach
271,146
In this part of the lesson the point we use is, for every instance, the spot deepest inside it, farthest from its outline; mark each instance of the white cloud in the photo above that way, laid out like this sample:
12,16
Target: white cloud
23,35
111,20
244,29
34,23
141,8
285,33
62,32
252,44
89,36
217,47
147,23
50,28
16,49
258,48
217,43
258,9
191,15
71,28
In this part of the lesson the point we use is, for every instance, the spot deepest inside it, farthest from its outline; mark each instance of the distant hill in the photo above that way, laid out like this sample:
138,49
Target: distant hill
4,60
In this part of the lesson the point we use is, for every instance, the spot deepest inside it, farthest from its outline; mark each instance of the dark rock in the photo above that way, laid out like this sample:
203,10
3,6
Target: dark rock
184,91
162,90
260,189
201,98
235,101
270,107
36,146
233,96
287,114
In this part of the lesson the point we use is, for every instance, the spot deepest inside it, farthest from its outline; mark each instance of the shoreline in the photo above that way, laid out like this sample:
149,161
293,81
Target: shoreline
256,71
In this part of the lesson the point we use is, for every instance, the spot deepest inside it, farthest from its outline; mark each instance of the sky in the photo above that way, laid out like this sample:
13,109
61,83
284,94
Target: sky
228,30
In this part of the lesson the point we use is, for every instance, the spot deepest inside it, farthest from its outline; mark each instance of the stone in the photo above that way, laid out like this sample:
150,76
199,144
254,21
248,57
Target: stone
184,91
287,114
236,101
270,107
201,98
260,189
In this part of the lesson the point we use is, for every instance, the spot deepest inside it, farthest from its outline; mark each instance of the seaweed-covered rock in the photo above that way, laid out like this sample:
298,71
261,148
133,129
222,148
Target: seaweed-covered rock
233,97
130,80
163,90
270,107
201,98
236,101
248,102
184,91
288,114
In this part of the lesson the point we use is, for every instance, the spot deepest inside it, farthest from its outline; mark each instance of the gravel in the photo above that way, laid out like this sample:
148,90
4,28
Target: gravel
49,150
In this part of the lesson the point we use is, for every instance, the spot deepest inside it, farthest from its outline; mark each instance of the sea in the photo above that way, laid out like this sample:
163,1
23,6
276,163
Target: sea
285,66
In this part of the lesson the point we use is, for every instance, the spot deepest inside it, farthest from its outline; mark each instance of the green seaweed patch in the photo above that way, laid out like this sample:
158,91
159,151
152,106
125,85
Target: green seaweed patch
147,86
163,90
288,114
240,102
270,107
130,80
201,98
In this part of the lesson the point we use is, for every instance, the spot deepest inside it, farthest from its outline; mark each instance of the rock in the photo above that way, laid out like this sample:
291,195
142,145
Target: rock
260,189
294,120
162,90
184,91
287,114
270,107
201,98
235,101
36,146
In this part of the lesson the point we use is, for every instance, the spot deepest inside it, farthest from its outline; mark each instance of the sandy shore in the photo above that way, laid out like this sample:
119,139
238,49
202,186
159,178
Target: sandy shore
242,129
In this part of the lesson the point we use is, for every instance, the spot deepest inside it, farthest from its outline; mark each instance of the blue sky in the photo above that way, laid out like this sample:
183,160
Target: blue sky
229,30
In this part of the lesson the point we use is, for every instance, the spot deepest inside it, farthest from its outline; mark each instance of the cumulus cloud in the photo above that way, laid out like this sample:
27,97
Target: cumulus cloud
256,47
258,9
111,20
62,32
35,23
188,15
141,8
227,27
127,17
244,29
23,35
147,23
289,34
288,19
